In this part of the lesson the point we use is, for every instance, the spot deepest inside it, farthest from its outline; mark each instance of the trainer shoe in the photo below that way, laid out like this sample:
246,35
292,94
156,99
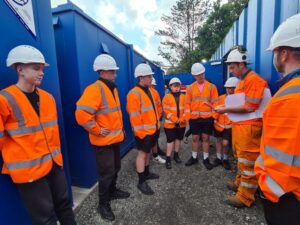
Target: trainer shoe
159,159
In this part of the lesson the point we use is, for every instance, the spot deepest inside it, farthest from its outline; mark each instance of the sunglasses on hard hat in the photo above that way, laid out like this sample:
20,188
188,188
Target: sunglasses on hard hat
240,48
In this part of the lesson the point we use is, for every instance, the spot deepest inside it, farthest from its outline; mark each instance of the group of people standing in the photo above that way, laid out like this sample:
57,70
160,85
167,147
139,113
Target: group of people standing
267,149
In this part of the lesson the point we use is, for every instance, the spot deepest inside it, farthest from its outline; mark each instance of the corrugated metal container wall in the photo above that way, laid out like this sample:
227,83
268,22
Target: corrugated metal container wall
15,33
79,39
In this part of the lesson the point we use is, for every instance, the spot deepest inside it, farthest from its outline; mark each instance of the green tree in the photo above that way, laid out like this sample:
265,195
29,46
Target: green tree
217,25
178,37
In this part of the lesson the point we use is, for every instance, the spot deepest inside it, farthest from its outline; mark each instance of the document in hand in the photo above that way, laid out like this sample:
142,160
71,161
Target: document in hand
237,100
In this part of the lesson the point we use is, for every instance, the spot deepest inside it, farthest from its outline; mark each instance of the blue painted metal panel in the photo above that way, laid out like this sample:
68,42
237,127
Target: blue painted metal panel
242,28
288,8
11,210
79,39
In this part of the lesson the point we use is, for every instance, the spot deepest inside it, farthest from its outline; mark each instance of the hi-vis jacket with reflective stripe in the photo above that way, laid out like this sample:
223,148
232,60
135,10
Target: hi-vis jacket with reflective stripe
29,143
143,117
253,86
221,120
157,101
278,166
195,107
170,111
97,108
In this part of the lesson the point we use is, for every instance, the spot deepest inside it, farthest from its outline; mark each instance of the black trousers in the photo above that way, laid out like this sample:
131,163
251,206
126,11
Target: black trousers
46,199
284,212
108,161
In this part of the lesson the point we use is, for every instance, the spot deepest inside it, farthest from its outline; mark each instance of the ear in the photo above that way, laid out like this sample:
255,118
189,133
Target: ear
284,55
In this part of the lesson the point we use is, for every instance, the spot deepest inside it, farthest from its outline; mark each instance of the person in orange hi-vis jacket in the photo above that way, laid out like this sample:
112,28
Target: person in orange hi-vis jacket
30,142
278,166
245,134
157,152
200,95
144,120
174,123
99,113
222,127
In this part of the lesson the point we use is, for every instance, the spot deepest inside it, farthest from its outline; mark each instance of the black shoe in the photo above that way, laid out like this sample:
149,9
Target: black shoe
106,212
217,162
168,165
152,176
145,189
177,159
161,152
207,164
191,161
119,194
226,164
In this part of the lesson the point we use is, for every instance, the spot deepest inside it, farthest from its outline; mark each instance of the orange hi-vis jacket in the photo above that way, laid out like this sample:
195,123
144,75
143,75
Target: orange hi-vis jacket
144,119
253,86
157,101
170,111
278,166
99,108
29,142
221,120
194,100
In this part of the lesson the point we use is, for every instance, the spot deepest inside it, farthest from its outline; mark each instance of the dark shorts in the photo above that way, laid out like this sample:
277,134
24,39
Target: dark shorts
147,143
174,133
201,126
225,134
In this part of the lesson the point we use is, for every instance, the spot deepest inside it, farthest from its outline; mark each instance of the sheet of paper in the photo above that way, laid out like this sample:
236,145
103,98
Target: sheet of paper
237,100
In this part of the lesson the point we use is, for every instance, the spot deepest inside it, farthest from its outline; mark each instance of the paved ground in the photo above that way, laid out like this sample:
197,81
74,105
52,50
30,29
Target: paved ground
183,196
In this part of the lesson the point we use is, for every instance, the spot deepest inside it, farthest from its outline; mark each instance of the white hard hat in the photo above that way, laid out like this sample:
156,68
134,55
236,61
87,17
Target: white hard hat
25,54
105,62
231,82
142,69
197,69
237,56
287,34
153,82
174,80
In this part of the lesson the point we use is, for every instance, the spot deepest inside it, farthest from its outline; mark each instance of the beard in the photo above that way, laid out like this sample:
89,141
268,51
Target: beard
279,66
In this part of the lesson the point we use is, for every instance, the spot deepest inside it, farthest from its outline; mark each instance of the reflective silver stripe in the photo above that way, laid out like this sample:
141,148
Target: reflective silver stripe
246,161
171,108
200,113
181,107
201,99
214,100
108,110
210,87
222,125
246,185
143,127
86,108
2,134
189,88
28,130
134,114
168,121
89,124
103,97
276,189
253,100
115,132
248,173
34,162
260,162
283,157
187,111
188,101
146,108
289,90
15,107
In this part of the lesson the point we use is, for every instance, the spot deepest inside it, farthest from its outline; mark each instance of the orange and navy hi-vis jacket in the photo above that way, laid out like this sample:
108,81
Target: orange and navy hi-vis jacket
253,86
194,100
98,108
170,111
144,118
221,120
157,101
29,142
278,166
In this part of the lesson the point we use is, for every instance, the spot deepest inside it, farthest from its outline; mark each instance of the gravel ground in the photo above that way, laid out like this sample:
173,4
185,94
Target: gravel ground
183,196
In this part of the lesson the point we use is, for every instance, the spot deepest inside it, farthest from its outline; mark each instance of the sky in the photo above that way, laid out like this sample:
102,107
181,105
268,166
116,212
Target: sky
133,21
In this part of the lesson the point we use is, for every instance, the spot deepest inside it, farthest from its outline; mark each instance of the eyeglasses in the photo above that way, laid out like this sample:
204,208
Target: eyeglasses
240,48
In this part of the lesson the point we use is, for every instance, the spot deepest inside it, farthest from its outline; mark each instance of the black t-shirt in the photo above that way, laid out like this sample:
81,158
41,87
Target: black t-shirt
34,99
177,96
